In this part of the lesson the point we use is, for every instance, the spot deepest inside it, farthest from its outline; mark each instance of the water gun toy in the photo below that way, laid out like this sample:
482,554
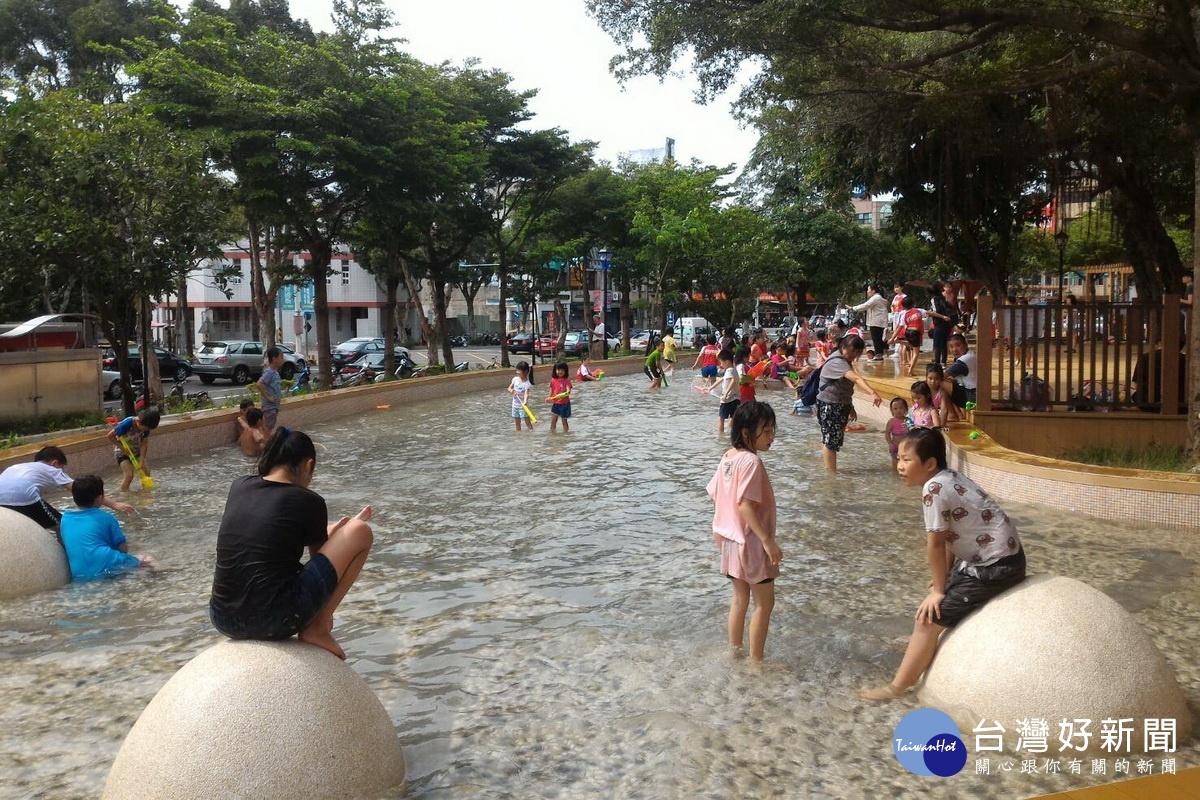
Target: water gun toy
528,411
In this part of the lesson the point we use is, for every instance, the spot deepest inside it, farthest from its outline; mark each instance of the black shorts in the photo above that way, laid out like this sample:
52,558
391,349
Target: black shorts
313,587
959,395
913,337
726,410
652,373
40,512
966,593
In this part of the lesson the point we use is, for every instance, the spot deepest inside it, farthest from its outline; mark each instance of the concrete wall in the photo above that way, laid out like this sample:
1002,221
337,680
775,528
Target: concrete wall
35,383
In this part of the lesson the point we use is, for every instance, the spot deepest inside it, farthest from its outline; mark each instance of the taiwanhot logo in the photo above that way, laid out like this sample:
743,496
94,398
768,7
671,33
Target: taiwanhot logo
927,743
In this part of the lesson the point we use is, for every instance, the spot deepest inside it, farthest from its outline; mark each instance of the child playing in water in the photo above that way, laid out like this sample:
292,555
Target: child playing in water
260,589
741,363
136,433
744,525
896,427
924,415
250,440
728,390
519,389
585,371
973,550
935,376
653,367
92,537
560,397
707,361
21,487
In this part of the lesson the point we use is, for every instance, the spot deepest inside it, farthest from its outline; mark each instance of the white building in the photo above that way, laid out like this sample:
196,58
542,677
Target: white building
356,301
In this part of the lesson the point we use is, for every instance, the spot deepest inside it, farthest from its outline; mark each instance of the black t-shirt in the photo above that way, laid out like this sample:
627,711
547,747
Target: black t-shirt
943,307
264,531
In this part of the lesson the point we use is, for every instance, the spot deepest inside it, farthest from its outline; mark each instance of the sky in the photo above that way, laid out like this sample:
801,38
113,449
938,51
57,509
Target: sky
553,46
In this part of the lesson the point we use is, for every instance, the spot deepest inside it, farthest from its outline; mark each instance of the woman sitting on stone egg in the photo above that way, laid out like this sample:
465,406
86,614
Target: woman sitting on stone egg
261,590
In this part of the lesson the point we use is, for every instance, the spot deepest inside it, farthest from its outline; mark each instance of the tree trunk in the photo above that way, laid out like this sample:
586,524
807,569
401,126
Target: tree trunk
392,288
262,295
440,301
503,271
183,330
626,312
414,293
321,252
1193,380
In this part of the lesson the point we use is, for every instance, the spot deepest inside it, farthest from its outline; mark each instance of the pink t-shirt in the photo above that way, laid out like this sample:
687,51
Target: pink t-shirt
740,475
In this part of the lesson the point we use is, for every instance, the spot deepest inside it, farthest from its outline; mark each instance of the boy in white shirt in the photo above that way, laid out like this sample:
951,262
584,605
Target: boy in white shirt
21,487
727,388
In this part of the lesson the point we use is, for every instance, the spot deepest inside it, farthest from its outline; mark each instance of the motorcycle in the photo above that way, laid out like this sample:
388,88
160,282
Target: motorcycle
407,368
301,381
462,366
200,398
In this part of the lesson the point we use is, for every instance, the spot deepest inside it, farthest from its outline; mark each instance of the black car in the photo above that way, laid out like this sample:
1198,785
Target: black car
521,343
352,349
170,366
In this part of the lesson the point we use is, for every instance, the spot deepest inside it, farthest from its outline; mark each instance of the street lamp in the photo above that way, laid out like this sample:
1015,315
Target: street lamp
1061,238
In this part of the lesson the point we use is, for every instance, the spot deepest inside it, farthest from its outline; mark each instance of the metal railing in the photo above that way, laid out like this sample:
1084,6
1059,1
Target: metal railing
1096,356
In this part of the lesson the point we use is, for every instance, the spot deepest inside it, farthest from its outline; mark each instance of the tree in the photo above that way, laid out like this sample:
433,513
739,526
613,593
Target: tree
671,206
109,194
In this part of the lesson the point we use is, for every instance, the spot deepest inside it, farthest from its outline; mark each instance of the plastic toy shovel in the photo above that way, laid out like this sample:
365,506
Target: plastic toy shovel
147,481
528,411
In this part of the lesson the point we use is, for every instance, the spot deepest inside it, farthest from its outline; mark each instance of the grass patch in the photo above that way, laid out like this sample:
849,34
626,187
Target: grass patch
1163,458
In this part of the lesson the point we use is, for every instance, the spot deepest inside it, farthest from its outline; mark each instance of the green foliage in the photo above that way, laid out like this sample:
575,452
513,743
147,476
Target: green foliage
11,430
1159,457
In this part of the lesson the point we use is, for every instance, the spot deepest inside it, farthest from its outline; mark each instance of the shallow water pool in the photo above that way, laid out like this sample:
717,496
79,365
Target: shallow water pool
542,617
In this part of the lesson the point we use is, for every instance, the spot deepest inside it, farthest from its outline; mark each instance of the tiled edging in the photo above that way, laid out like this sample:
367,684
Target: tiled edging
1125,495
189,433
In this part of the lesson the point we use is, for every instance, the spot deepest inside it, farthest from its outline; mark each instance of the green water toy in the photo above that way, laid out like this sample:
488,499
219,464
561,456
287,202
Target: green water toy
973,435
970,406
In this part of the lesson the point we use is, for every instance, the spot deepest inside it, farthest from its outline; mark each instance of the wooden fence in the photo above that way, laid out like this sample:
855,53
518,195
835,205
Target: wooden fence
1094,356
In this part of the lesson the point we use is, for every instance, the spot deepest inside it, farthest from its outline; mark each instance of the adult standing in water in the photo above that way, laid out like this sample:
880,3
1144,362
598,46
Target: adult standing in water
876,308
835,400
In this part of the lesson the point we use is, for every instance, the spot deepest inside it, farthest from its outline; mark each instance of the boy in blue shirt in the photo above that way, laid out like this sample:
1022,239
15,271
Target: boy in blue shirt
92,537
136,433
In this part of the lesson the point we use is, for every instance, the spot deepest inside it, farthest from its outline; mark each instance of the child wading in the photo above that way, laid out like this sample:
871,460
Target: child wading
744,524
560,397
260,589
973,550
93,539
136,433
522,382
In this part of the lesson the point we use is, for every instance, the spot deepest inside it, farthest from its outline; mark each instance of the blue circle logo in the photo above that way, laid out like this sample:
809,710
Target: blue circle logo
927,742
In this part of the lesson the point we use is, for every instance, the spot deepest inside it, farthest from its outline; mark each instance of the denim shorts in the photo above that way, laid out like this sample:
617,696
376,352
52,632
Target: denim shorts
561,410
313,587
708,372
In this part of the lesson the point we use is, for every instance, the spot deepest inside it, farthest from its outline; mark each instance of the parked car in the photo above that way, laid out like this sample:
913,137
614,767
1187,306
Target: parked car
351,349
293,362
577,343
110,384
638,342
170,365
546,345
520,343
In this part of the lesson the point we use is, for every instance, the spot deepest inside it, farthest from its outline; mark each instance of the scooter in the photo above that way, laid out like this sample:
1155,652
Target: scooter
301,381
462,366
200,398
407,368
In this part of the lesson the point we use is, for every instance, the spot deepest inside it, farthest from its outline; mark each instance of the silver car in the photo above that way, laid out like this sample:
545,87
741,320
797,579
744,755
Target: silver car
240,362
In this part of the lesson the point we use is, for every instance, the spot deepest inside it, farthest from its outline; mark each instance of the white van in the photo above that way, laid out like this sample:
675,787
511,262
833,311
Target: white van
692,331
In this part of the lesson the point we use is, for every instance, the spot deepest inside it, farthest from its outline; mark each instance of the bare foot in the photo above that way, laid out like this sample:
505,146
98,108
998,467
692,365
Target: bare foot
880,693
324,640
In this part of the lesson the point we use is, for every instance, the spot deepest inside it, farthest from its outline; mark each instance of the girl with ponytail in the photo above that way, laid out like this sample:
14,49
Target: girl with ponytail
261,589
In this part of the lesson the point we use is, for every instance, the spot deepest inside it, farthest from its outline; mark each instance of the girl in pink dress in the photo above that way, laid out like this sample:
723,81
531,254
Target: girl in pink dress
744,524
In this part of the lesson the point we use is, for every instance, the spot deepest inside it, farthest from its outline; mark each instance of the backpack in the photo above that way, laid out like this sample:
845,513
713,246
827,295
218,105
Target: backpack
812,385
